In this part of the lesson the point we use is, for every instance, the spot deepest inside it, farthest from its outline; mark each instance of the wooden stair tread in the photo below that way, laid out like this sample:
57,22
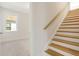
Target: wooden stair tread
68,35
67,42
70,21
71,18
75,34
69,30
73,13
69,24
68,50
69,27
67,39
53,53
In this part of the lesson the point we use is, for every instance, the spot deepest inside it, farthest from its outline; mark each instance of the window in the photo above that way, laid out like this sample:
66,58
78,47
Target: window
10,23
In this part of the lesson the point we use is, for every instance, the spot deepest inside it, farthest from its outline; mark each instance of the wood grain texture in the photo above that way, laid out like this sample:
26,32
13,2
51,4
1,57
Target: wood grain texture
66,35
53,53
68,50
67,42
68,27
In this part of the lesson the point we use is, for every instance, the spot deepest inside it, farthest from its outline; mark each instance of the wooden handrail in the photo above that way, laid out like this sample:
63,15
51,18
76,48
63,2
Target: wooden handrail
58,14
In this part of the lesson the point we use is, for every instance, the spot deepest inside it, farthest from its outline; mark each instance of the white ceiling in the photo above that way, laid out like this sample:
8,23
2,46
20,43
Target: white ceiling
16,6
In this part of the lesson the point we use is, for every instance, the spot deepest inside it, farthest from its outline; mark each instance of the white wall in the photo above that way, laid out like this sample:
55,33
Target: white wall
15,48
41,14
74,5
22,25
15,43
51,30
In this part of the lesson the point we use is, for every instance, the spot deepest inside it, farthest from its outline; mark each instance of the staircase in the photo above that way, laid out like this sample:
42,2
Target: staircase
66,39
